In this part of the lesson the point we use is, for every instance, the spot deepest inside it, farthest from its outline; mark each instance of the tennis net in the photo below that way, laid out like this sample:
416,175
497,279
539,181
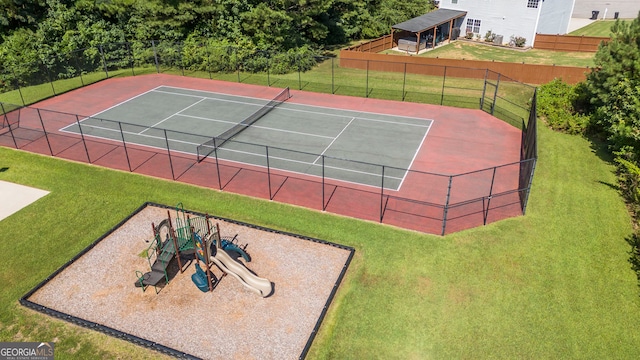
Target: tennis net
208,147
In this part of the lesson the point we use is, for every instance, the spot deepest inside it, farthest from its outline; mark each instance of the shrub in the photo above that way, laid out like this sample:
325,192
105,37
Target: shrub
469,35
489,36
556,107
517,41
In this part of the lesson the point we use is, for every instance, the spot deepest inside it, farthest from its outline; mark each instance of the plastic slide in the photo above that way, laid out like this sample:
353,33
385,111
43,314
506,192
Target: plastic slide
252,282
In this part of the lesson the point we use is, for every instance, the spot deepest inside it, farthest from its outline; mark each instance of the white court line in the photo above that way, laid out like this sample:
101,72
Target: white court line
245,153
169,117
414,156
311,175
323,114
214,98
334,140
111,107
305,105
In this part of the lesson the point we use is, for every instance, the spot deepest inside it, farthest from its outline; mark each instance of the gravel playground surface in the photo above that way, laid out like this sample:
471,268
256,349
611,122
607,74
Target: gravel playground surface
229,323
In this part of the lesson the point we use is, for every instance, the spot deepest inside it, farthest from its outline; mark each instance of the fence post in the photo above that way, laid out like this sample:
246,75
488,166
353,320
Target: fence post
215,152
404,81
126,152
486,214
104,61
266,151
9,124
266,54
79,69
528,190
495,94
46,68
155,56
299,72
333,91
484,88
367,81
237,63
324,207
86,150
45,132
382,195
446,206
181,53
133,62
19,87
209,58
444,79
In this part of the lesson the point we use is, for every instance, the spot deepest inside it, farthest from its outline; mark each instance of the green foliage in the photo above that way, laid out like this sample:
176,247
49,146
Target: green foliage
556,107
517,41
614,87
629,182
489,36
17,14
619,117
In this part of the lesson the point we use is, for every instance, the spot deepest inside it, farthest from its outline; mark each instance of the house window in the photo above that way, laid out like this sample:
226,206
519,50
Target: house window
473,26
533,3
454,1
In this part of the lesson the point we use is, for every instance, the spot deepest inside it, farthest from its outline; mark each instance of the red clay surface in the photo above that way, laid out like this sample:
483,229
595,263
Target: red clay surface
460,141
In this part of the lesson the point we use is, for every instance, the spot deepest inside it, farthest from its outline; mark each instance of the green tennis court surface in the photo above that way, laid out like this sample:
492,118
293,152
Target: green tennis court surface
358,147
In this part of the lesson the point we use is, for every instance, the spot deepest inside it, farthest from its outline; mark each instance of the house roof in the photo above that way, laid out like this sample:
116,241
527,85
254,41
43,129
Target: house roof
429,20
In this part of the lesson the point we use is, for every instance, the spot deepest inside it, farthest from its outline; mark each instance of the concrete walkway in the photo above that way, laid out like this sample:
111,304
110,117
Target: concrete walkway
578,23
14,197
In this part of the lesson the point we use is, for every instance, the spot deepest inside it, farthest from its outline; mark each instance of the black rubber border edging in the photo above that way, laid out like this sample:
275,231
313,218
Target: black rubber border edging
159,347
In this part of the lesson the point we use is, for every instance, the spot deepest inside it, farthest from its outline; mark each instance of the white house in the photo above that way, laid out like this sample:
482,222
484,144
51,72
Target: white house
523,18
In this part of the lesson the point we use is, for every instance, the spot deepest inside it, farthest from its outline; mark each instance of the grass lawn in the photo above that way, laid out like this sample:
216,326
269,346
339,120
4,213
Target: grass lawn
598,28
470,50
552,284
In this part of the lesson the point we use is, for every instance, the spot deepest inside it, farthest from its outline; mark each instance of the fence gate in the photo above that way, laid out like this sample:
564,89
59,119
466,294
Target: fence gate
490,91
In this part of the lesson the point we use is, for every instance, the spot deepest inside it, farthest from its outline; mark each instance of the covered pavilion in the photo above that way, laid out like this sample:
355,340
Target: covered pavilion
428,30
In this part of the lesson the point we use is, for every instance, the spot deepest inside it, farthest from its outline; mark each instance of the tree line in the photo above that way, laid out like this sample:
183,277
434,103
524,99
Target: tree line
48,27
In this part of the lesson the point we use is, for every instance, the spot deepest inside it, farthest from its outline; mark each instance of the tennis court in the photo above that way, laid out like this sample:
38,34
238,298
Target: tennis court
358,147
378,160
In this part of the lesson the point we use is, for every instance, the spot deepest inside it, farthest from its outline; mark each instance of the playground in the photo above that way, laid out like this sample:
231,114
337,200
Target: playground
233,320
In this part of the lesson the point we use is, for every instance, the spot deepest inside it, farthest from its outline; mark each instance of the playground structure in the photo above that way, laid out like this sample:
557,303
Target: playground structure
196,238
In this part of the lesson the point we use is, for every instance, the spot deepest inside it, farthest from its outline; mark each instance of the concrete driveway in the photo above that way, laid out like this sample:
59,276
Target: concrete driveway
627,9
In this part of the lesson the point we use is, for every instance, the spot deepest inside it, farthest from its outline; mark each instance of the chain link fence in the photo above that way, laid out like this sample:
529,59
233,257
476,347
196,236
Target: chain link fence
433,203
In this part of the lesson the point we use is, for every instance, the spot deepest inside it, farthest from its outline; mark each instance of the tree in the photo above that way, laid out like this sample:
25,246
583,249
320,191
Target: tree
614,87
20,13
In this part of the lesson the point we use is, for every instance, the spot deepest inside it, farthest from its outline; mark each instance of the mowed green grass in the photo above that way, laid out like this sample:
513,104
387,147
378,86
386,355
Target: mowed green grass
470,50
598,28
552,284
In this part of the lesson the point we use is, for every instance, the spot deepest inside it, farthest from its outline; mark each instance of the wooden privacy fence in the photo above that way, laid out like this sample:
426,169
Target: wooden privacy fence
568,42
374,46
526,73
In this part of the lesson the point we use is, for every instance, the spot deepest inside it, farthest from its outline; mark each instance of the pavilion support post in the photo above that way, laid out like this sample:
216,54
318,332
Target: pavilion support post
433,44
418,42
450,30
